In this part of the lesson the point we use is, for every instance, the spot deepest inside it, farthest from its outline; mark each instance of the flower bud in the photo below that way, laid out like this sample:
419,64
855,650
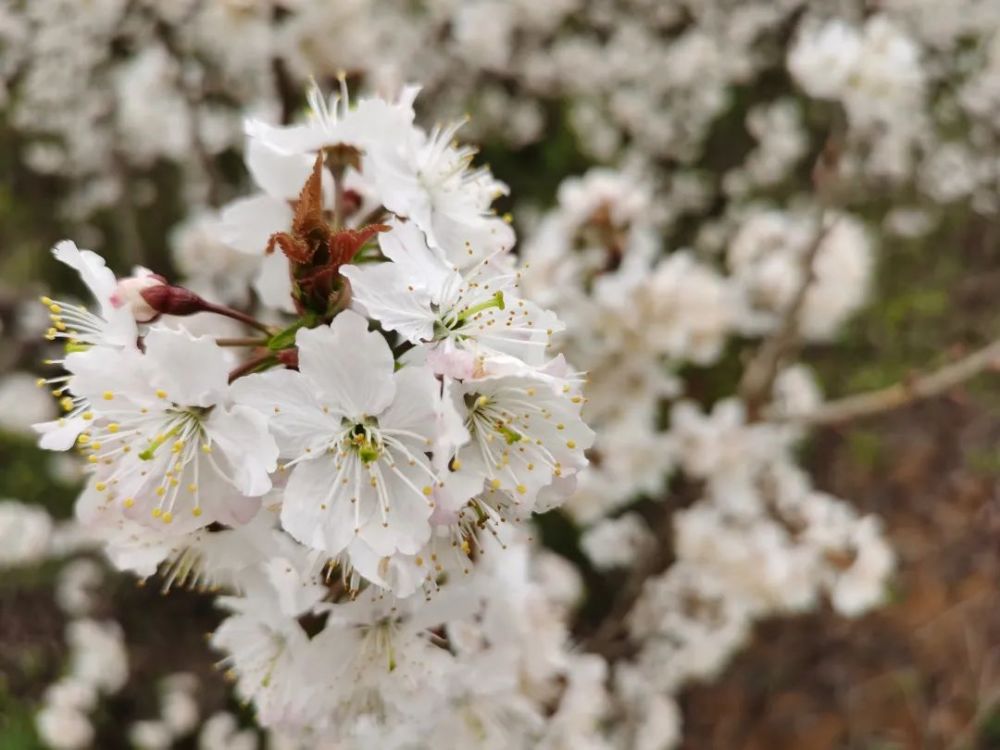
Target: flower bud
165,299
289,357
131,290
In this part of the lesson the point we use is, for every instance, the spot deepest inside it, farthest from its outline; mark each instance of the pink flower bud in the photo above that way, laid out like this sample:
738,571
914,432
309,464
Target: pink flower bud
130,292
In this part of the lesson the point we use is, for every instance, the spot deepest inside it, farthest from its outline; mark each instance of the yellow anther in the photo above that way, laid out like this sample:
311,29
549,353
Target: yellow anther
54,308
50,335
168,517
66,403
95,446
521,489
196,512
160,393
47,301
466,547
113,427
88,415
192,488
576,399
494,484
571,444
161,491
427,490
156,513
128,502
108,395
100,486
83,439
530,391
418,560
40,382
206,448
560,426
92,459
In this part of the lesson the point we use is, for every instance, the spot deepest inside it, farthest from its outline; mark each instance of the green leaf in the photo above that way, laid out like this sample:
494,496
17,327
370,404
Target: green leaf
285,339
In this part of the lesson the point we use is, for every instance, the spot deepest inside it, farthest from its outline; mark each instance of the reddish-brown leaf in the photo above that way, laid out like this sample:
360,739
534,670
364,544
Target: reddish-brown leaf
309,207
345,243
295,250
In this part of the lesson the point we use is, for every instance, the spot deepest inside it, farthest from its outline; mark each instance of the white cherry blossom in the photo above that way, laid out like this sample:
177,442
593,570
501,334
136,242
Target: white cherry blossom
356,434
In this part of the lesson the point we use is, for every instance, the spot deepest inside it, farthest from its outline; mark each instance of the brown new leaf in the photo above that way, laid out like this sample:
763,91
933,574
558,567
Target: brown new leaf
344,244
309,207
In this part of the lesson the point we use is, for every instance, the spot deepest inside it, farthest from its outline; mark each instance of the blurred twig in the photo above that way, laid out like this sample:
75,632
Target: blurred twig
912,389
759,376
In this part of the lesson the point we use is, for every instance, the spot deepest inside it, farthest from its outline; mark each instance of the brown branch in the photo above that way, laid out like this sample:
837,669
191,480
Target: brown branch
759,376
251,365
241,341
235,315
912,389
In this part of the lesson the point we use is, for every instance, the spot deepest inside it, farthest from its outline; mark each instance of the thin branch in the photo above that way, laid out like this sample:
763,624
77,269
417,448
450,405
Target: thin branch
236,315
759,376
912,389
245,341
252,365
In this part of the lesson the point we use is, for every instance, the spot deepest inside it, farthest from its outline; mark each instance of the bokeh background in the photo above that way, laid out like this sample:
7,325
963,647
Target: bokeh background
120,127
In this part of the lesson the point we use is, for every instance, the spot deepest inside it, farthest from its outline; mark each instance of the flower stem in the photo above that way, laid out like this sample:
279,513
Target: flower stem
236,315
252,365
245,341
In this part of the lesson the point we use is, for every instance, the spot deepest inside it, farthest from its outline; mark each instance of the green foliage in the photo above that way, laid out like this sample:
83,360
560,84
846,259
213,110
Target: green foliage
17,725
26,476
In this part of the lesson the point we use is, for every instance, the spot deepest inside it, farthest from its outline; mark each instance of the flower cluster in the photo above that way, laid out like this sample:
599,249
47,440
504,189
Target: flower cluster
358,483
347,412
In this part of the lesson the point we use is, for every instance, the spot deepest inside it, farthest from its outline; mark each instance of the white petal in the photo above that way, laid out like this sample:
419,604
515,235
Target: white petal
415,407
241,436
59,434
296,594
421,265
192,371
350,366
310,487
407,525
248,223
383,292
279,175
399,574
121,372
273,282
291,139
468,239
289,403
100,279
